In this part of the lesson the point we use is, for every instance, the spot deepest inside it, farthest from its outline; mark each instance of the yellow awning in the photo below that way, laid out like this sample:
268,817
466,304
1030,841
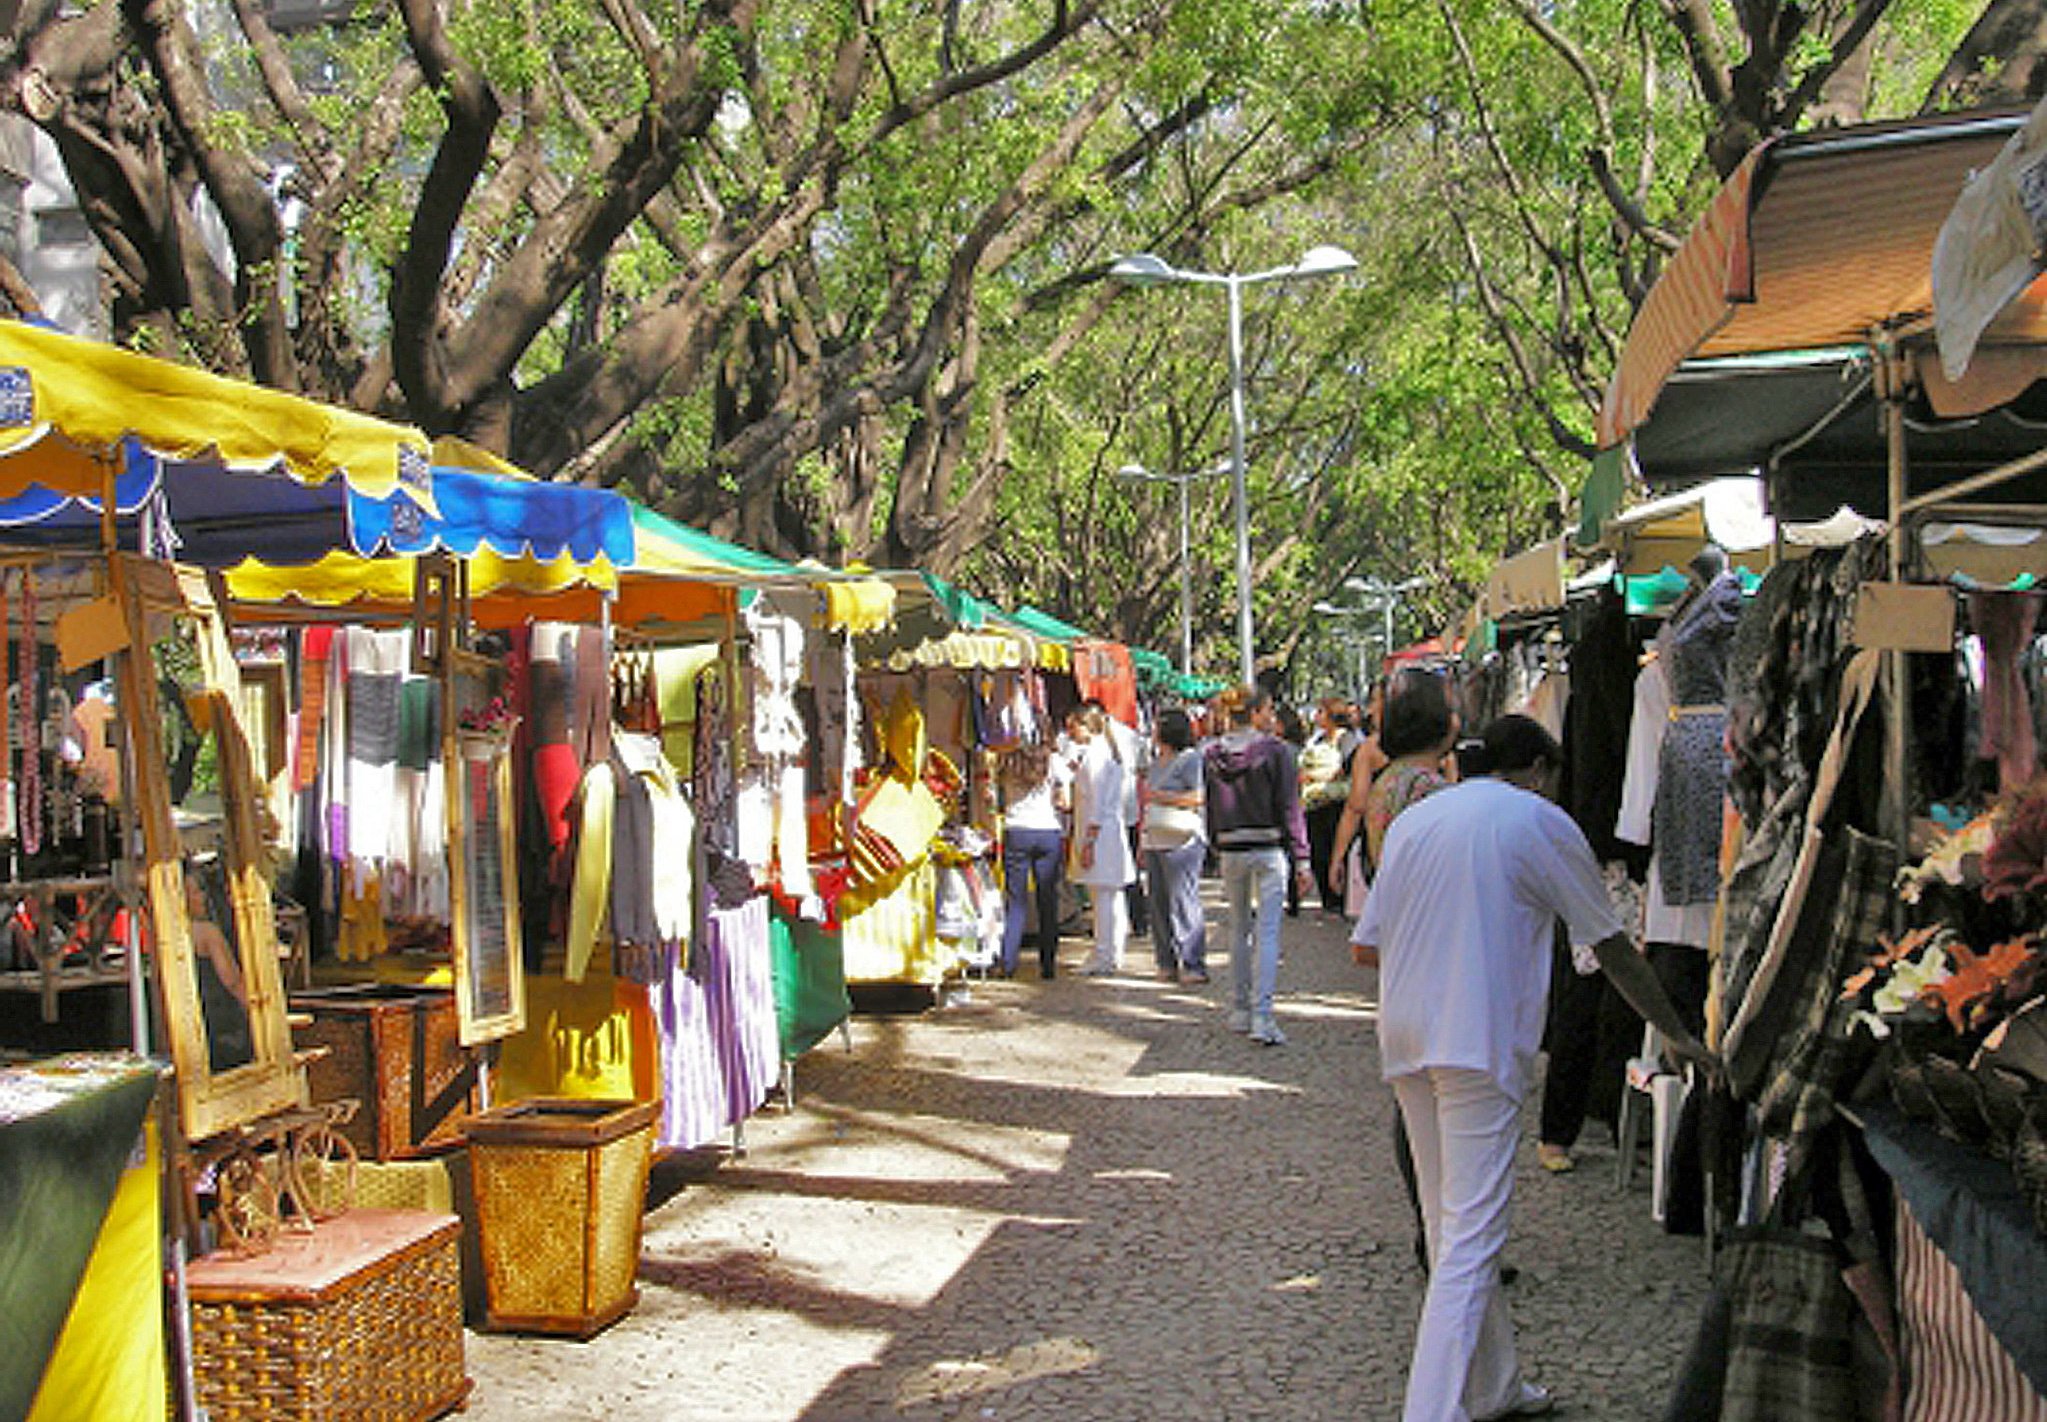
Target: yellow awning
66,404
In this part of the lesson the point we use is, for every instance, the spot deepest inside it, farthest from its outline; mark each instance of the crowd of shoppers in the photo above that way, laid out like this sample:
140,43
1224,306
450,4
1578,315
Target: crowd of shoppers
1462,876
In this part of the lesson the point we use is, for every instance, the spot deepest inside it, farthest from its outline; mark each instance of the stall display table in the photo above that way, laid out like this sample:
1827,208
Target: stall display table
81,1323
1970,1275
360,1318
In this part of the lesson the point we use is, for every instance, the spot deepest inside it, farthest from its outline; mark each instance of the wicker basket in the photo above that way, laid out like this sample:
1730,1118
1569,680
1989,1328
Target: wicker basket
395,1049
361,1319
560,1186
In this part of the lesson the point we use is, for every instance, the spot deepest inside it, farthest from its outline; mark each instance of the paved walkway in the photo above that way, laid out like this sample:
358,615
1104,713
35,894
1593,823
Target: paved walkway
1087,1199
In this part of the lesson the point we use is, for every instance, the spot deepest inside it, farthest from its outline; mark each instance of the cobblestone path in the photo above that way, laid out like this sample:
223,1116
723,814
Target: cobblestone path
1088,1199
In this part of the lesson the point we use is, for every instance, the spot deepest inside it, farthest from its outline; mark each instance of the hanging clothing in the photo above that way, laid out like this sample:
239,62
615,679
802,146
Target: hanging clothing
1596,719
2004,621
1102,671
376,671
652,835
1661,921
720,1045
1692,773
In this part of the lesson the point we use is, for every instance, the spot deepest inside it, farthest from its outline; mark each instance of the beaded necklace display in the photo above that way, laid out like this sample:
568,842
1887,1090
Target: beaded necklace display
31,723
8,818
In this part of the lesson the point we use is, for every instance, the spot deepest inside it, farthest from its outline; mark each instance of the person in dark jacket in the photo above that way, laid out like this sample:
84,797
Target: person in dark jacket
1254,821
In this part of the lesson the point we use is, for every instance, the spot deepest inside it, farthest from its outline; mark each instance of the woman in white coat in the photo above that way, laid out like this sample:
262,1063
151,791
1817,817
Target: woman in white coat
1101,845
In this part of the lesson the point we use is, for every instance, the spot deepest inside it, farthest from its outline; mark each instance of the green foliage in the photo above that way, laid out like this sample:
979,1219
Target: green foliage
1391,431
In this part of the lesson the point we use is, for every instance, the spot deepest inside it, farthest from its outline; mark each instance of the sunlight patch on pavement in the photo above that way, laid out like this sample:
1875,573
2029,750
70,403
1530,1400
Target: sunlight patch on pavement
1134,1173
1337,1009
1196,1084
1298,1284
949,1380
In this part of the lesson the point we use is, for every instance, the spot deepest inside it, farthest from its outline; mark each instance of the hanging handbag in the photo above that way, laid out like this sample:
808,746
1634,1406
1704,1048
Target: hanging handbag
1819,907
1798,1324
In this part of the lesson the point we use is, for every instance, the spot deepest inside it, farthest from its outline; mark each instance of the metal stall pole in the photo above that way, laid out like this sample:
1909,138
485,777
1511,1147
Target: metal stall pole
1892,388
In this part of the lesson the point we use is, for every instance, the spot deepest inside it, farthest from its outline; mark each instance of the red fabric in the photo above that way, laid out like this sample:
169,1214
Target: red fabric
315,649
1103,671
2004,620
556,773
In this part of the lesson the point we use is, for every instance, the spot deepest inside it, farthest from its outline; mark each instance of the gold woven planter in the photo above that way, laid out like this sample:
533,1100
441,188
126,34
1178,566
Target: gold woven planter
560,1185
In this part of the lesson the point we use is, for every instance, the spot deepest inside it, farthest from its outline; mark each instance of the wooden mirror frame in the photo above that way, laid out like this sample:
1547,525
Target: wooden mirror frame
476,1023
209,1102
440,601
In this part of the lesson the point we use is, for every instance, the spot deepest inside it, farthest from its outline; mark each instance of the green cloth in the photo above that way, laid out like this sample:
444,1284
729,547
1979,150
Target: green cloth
59,1169
809,965
1652,594
1600,498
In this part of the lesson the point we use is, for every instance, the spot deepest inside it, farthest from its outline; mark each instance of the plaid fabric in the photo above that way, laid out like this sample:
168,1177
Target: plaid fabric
1816,1056
1790,1347
1755,887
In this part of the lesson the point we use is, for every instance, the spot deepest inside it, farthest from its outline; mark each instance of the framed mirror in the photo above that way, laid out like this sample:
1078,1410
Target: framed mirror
490,974
196,800
476,746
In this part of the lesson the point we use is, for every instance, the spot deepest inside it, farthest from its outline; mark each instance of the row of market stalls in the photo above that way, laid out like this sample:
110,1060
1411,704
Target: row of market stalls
394,797
1830,750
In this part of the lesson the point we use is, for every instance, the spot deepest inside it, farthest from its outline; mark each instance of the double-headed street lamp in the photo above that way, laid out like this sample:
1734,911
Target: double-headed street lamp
1138,471
1145,269
1385,598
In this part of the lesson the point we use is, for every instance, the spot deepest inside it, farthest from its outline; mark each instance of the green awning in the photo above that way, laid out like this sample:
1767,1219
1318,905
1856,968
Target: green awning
1044,624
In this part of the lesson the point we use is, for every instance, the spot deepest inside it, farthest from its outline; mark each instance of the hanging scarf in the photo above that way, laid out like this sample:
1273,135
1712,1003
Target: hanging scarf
315,647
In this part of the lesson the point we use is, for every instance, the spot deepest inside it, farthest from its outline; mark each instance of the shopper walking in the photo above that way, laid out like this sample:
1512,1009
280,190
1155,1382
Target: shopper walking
1254,821
1347,872
1417,731
1034,793
1100,852
1459,920
1325,768
1175,844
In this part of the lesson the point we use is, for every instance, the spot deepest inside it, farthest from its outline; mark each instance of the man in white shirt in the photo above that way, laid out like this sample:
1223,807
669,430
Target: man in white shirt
1459,921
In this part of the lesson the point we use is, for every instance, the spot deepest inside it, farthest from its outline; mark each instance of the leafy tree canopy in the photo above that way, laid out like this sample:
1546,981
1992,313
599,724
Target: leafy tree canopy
829,276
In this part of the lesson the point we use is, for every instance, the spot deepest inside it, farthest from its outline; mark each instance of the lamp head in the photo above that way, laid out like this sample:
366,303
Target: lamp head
1325,261
1144,269
1134,471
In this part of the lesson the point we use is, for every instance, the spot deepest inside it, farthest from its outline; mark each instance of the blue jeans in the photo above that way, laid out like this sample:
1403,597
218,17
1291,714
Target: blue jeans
1259,873
1179,937
1031,859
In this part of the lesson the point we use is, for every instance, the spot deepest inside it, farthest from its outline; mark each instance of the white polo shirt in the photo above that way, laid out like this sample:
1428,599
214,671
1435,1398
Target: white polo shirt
1470,884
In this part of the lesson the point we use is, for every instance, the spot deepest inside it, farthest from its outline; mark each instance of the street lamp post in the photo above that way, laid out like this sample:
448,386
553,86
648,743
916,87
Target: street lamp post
1138,471
1144,269
1386,598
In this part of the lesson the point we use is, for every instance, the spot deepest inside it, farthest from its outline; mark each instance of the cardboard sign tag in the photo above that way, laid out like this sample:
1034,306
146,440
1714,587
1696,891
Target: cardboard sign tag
1905,617
90,631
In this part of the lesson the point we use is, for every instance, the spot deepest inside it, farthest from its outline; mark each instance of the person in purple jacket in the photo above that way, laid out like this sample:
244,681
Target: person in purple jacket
1254,821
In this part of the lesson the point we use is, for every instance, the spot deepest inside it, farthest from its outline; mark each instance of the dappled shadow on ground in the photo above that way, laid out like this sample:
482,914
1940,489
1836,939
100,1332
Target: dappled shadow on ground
1089,1199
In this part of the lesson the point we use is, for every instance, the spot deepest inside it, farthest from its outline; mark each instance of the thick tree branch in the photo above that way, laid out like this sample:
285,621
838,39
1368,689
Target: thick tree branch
232,179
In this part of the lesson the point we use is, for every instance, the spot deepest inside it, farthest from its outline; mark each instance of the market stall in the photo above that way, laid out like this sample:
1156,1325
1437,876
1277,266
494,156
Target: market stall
1865,709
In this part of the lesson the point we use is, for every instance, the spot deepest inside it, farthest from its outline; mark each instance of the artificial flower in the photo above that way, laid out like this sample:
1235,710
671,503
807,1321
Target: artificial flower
1956,860
1966,992
1903,972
